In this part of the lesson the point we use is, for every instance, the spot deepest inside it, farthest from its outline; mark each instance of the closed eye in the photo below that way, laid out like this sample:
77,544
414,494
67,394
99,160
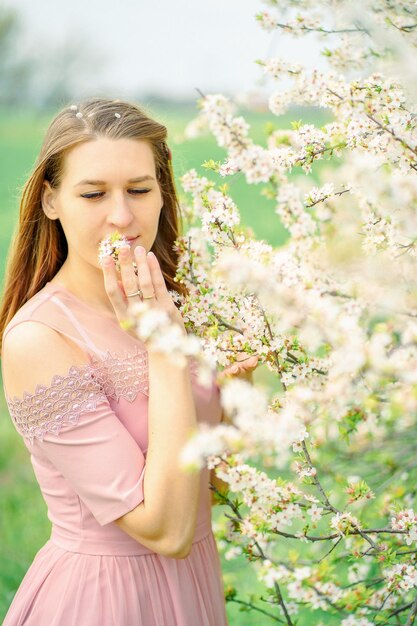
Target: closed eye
99,194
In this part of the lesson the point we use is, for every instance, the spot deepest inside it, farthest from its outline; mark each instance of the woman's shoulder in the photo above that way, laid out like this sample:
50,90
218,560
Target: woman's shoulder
46,380
56,308
31,310
33,346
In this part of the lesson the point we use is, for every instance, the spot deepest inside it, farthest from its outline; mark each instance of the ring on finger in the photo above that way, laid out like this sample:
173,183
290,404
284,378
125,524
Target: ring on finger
137,293
140,292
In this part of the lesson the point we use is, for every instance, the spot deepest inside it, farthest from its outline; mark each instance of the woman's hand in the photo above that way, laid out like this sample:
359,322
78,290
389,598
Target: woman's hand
243,368
149,279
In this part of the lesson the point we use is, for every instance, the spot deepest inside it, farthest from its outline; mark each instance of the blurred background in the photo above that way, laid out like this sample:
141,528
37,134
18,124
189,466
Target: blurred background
160,55
138,49
54,51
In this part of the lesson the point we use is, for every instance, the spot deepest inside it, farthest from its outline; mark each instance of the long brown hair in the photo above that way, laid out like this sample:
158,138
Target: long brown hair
39,247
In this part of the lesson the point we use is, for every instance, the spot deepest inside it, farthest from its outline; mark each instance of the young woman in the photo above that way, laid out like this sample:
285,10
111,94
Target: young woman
103,416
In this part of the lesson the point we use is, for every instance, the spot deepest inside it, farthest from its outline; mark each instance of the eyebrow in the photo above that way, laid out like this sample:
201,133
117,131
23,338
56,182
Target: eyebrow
138,179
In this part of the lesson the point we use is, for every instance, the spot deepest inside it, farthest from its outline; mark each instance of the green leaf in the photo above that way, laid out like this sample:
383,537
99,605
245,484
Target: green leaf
211,165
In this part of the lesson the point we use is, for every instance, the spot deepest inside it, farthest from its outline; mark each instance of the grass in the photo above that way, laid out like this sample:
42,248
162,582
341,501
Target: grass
24,526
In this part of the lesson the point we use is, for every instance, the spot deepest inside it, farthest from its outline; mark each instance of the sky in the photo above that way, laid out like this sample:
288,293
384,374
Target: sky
165,47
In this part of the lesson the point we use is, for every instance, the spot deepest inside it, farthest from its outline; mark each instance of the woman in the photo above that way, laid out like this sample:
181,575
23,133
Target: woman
102,415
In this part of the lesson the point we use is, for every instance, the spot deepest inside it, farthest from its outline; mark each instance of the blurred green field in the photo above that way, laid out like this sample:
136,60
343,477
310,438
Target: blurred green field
24,527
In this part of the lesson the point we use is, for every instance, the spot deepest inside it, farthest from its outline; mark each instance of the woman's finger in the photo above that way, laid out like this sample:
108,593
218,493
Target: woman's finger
158,280
248,363
112,287
163,296
127,273
144,274
242,367
252,362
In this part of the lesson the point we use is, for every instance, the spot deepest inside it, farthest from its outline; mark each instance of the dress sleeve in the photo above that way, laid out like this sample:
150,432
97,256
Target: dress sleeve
72,423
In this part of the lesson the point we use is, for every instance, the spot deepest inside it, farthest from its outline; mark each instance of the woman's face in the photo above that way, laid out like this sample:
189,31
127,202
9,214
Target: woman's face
107,184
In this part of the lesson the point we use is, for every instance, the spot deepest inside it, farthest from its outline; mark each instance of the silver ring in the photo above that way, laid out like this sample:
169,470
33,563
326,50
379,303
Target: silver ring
146,297
129,295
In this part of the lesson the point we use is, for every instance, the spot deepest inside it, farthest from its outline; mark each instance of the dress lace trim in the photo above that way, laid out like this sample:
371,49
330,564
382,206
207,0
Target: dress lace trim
123,375
48,408
61,402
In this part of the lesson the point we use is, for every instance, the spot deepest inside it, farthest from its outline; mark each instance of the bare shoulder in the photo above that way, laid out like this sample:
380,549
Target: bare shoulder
33,353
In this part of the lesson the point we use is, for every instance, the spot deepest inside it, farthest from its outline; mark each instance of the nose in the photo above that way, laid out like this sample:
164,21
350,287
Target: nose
119,215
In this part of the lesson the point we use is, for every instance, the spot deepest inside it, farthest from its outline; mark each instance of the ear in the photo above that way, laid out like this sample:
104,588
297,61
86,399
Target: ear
48,201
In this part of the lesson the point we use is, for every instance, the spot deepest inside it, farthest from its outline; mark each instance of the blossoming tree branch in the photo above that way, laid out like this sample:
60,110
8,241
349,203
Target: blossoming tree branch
329,524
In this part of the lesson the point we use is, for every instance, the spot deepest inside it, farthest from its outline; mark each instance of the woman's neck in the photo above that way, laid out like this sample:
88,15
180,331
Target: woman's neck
87,285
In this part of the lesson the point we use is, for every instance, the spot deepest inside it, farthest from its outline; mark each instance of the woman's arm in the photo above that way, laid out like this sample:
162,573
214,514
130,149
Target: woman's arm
164,521
169,511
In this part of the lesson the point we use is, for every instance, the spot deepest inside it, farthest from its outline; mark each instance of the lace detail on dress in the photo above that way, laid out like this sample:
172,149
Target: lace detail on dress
123,375
62,402
48,408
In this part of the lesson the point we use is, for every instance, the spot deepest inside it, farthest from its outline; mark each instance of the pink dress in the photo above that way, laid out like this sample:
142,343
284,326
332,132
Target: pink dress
87,436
